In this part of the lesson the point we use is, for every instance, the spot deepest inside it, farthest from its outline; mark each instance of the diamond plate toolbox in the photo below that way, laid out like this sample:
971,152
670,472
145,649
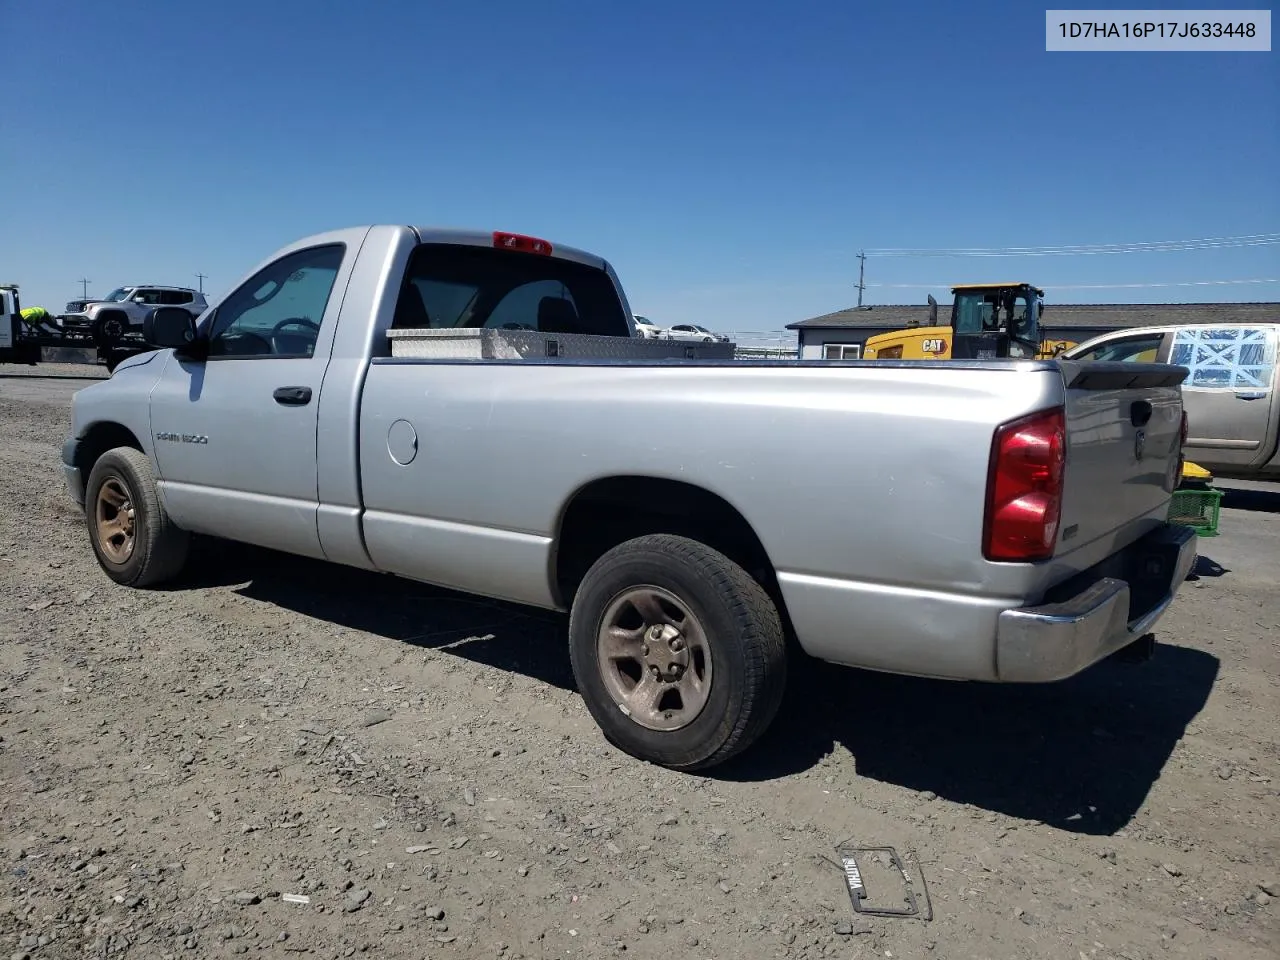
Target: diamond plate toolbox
477,343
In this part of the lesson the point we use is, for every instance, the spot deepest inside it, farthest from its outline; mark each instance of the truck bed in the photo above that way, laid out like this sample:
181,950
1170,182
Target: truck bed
894,481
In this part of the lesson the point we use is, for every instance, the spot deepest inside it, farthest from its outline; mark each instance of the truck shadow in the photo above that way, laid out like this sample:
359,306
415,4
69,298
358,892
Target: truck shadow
506,636
1252,499
1206,567
1080,755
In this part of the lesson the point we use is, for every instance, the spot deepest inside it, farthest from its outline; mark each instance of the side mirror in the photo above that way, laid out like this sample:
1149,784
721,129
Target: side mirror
933,311
169,327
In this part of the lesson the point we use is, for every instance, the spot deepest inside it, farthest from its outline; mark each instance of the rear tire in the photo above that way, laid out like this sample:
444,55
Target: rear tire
722,656
135,542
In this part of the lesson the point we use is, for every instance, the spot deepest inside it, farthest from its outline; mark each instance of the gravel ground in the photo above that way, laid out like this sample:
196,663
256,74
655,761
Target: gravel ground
286,758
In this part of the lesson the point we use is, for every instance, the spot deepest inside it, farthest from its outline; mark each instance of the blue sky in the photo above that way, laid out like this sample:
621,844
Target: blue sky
729,158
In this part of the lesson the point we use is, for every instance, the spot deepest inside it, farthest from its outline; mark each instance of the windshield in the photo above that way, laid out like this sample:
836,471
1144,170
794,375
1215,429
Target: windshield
644,321
989,311
119,293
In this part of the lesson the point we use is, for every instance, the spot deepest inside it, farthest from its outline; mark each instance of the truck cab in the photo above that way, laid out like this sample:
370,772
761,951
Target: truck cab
15,345
10,317
996,320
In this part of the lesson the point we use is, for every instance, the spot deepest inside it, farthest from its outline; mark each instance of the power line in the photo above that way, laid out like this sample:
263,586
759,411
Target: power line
1084,249
1093,286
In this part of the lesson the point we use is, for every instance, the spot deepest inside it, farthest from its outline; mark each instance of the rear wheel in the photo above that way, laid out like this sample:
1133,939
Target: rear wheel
136,543
678,652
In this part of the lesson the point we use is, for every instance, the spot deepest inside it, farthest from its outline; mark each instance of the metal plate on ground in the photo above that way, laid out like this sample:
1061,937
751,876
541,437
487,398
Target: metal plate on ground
480,343
871,875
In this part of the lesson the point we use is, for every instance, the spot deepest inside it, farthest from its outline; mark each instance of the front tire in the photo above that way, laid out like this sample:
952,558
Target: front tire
110,328
135,542
678,652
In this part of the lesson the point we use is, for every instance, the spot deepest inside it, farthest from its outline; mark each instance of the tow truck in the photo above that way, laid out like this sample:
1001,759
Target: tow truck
24,343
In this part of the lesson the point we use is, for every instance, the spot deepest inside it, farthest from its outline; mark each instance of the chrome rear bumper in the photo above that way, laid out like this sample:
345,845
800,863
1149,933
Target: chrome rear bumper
1056,640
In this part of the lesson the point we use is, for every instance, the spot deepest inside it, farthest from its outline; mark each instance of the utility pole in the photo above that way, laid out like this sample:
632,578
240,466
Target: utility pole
862,266
200,277
84,289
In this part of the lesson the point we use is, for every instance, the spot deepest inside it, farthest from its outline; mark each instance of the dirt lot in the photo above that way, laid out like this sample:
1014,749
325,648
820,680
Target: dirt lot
174,764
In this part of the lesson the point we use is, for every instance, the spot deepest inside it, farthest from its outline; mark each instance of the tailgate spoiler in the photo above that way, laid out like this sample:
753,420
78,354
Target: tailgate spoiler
1120,374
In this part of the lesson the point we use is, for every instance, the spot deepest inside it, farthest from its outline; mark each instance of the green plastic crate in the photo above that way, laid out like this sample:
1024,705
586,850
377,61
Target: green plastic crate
1197,507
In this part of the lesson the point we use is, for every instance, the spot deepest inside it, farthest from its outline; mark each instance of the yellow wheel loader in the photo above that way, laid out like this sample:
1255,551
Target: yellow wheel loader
988,321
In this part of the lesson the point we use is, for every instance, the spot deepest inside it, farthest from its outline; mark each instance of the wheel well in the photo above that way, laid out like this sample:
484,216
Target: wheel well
100,438
607,512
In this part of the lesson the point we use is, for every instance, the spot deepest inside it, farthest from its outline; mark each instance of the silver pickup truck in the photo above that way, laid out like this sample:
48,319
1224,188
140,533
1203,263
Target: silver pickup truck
698,519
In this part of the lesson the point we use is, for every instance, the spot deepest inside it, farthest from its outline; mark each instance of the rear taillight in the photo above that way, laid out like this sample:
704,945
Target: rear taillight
1024,488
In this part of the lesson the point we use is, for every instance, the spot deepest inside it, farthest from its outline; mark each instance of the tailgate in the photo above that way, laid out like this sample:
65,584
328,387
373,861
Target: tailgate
1124,423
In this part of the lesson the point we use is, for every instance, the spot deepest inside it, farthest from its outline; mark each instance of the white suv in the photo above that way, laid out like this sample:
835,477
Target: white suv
122,311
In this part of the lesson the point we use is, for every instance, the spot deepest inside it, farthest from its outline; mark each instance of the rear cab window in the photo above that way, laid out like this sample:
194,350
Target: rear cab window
459,286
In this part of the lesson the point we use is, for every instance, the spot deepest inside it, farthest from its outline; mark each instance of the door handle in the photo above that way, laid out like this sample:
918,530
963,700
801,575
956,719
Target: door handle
293,396
1257,395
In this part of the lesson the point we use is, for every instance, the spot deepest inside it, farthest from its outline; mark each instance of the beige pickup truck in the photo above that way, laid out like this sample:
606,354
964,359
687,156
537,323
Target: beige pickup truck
1230,395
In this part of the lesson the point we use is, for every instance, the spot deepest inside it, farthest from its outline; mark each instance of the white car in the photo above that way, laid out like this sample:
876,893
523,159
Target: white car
691,331
646,329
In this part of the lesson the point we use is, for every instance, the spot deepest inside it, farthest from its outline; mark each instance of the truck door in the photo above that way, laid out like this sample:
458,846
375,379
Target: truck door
235,435
1230,394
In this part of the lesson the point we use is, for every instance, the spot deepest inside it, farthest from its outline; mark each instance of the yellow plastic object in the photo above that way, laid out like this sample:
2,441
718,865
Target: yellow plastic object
1194,473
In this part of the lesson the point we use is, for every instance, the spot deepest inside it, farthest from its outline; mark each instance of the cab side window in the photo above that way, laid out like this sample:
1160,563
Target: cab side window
1140,348
1226,358
278,311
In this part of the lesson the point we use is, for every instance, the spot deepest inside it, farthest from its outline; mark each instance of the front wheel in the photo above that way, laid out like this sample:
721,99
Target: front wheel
678,652
136,543
109,328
